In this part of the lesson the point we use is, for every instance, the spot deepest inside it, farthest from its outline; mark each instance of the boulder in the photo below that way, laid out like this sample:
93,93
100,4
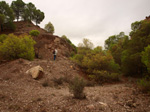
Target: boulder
36,72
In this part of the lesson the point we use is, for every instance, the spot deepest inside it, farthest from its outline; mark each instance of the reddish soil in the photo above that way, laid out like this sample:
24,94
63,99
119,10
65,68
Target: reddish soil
20,93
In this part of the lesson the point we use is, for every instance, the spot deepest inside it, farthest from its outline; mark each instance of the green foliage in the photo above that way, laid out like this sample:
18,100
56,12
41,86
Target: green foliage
2,37
95,61
104,76
132,55
76,87
86,44
146,57
10,26
125,59
116,45
135,26
14,47
115,39
144,84
78,59
131,64
71,44
18,8
81,52
115,76
7,11
6,16
66,39
25,15
110,41
34,33
49,28
38,16
128,53
2,19
28,12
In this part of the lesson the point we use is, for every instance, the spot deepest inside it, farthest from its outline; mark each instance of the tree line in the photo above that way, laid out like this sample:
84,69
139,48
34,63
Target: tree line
123,56
128,54
131,52
20,11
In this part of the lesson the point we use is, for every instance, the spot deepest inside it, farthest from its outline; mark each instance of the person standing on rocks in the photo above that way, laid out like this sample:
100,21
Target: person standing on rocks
55,54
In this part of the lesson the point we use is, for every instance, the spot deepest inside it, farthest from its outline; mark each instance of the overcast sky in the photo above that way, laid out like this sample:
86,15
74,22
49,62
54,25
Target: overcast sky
92,19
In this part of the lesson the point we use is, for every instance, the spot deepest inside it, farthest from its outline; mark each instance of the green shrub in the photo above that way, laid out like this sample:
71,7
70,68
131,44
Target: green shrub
98,63
10,26
17,47
77,58
2,18
3,37
66,39
144,84
96,59
146,57
72,54
70,43
49,28
106,77
34,33
114,77
101,76
76,87
114,66
74,47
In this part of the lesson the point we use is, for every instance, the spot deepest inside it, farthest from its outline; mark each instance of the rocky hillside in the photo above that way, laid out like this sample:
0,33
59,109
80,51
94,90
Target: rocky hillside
46,42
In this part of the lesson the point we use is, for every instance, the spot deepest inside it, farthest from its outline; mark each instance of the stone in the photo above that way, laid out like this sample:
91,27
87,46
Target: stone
104,104
134,105
36,72
91,106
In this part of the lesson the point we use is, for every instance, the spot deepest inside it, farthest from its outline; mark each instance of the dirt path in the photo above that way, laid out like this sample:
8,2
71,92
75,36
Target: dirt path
20,93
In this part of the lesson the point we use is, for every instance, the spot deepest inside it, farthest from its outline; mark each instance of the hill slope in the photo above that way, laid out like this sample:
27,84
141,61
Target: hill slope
46,42
19,92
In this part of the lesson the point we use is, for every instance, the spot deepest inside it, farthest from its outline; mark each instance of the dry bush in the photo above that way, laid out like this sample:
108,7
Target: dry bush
76,87
47,83
61,80
58,81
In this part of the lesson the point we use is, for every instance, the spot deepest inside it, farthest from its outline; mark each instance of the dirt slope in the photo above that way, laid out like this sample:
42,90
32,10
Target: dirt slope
45,42
20,93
